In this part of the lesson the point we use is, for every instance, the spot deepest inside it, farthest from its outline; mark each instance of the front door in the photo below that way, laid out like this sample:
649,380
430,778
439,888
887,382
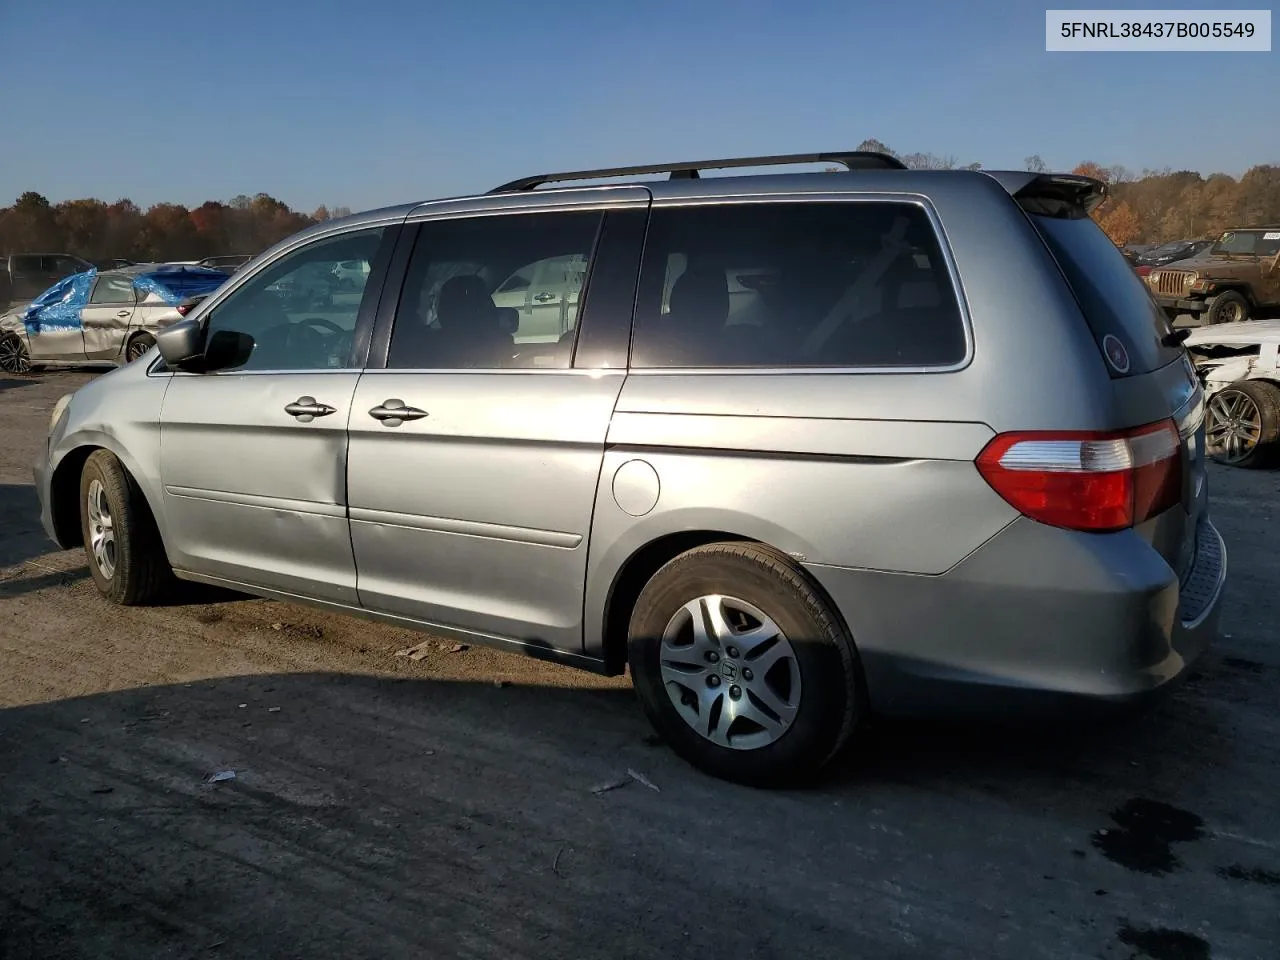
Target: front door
475,454
53,321
107,316
254,459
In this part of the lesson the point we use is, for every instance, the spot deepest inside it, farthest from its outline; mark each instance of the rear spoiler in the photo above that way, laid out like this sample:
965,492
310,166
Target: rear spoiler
1066,196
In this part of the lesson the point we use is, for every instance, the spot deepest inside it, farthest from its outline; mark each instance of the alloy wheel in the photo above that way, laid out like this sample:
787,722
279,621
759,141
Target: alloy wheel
13,355
730,672
102,534
1234,426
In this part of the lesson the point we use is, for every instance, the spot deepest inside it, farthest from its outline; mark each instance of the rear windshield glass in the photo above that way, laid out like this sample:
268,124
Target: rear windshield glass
1111,296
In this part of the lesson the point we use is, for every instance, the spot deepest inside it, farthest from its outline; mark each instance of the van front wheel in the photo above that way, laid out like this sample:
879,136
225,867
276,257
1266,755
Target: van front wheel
126,556
742,665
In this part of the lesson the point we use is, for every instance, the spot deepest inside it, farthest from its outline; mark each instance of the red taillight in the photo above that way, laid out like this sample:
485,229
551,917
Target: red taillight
185,308
1087,481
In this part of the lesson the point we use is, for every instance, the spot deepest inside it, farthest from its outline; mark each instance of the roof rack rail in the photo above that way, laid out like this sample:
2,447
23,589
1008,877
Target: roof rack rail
851,159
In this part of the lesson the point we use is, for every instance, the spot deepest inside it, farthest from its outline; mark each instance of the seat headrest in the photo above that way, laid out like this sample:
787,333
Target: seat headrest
463,300
701,295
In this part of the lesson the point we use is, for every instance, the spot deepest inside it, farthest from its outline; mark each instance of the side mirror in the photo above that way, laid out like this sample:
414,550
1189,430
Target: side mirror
180,343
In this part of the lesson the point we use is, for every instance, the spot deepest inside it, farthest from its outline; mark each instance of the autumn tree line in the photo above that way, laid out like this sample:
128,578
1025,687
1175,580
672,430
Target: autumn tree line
1154,206
96,231
1148,207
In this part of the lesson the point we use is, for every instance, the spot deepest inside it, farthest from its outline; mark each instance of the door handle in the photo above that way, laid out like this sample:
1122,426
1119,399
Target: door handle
306,409
392,413
123,313
544,297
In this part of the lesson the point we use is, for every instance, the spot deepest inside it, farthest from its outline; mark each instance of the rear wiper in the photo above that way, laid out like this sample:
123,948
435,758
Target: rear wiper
1175,337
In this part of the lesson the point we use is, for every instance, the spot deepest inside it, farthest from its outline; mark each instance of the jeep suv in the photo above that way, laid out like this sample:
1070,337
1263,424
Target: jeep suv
794,449
1237,278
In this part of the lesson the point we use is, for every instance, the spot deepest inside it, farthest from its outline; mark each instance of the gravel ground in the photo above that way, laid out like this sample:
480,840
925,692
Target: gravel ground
387,807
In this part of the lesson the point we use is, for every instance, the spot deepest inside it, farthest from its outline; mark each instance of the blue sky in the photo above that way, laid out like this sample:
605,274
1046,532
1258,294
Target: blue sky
366,102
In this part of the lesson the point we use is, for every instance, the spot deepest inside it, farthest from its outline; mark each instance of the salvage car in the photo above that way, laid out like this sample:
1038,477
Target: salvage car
229,263
101,318
764,453
1235,280
24,275
1239,366
1170,252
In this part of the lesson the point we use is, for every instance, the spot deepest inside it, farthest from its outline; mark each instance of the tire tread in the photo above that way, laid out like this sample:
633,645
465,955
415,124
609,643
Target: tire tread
143,572
829,626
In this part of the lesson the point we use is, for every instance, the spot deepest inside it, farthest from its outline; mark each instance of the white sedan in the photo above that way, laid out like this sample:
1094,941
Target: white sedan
1239,365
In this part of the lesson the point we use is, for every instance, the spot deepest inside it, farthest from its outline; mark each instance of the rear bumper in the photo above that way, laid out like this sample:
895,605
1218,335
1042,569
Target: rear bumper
1036,619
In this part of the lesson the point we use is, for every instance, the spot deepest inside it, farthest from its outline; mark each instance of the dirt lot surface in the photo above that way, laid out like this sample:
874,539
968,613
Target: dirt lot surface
386,807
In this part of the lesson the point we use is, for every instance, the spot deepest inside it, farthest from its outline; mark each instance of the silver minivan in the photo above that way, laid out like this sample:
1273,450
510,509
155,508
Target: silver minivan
794,449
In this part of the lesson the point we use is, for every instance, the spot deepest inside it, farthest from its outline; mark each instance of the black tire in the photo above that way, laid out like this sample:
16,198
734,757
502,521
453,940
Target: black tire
138,344
1265,397
13,354
1230,306
140,571
830,703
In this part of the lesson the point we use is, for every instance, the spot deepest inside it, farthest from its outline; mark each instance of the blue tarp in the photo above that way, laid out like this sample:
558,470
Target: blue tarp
175,283
58,308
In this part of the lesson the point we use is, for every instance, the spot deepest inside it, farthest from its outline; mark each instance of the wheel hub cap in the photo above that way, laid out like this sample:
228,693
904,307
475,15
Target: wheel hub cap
102,535
730,672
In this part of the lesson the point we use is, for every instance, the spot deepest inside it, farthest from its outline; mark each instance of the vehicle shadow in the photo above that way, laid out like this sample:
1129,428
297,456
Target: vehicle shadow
416,817
22,538
9,383
33,562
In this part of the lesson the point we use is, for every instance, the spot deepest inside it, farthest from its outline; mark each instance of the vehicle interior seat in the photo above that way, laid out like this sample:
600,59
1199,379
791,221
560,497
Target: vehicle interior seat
472,329
698,310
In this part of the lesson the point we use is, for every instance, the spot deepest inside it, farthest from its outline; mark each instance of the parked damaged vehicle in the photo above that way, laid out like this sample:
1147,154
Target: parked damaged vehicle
1236,280
1171,252
1239,366
24,275
746,439
105,318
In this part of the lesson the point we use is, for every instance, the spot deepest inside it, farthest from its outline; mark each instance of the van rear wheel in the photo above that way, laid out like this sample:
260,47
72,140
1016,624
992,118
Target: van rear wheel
742,666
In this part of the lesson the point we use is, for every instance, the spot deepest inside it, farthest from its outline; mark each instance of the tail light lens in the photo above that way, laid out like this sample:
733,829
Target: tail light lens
185,308
1087,481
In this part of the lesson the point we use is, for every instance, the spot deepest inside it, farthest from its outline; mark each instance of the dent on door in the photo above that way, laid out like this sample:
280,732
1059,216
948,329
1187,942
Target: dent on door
105,327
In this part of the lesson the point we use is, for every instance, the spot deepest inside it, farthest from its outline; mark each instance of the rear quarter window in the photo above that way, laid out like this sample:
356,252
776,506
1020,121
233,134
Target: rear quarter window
771,284
1112,298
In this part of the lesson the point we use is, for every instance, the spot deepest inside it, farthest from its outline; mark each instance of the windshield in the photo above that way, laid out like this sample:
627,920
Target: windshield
1236,242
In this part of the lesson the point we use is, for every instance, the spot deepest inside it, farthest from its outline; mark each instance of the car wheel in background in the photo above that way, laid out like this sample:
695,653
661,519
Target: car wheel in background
126,557
1242,428
138,345
1228,307
743,666
13,354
